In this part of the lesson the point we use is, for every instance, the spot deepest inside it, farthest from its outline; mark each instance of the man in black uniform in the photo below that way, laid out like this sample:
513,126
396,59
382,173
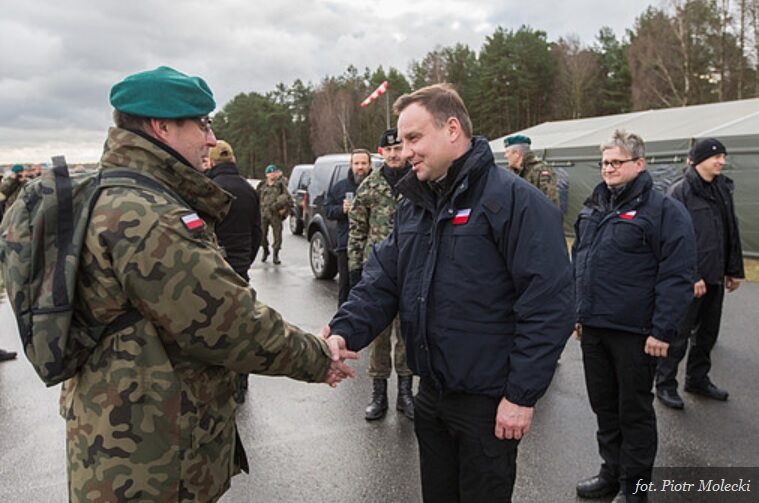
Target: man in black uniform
708,196
239,233
634,257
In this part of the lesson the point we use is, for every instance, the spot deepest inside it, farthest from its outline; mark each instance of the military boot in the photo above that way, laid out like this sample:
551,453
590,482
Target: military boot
378,407
405,402
276,257
265,255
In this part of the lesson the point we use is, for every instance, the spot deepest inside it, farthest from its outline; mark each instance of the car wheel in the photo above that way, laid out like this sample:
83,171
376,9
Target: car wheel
323,263
296,225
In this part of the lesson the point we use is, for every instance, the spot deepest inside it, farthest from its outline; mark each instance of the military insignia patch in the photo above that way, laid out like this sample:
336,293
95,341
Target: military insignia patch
192,221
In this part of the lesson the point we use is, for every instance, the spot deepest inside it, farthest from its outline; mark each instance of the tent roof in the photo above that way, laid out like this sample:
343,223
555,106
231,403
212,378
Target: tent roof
715,119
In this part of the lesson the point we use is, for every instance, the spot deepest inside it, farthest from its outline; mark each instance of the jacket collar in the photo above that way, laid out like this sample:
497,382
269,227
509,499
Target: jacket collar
633,191
127,149
464,170
224,168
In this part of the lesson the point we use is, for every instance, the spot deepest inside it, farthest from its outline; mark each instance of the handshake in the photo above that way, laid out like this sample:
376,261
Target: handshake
338,369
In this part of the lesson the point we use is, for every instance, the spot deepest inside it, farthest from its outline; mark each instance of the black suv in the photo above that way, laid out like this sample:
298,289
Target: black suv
298,186
321,231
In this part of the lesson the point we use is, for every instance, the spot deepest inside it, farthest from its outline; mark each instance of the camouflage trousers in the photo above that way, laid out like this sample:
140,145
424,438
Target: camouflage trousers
275,223
380,364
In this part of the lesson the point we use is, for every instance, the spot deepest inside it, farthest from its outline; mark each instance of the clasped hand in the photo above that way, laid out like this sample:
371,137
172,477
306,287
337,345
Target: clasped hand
338,369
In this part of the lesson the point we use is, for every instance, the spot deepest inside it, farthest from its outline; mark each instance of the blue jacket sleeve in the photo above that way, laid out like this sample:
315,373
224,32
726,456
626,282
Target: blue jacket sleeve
333,203
373,302
677,270
534,248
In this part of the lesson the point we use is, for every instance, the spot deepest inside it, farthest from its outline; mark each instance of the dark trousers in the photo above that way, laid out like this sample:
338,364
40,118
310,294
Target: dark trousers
619,377
343,277
461,459
701,327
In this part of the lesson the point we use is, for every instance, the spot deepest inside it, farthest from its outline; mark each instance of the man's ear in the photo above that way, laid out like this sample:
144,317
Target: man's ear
453,128
159,128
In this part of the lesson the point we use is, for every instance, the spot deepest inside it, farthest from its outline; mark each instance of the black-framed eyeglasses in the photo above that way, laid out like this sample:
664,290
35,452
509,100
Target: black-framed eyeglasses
615,163
204,123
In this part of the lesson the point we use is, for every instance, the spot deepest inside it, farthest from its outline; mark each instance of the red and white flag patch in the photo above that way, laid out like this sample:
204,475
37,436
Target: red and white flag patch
462,216
629,215
192,221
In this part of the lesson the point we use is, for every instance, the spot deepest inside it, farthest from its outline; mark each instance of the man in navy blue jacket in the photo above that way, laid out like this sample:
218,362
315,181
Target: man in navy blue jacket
477,268
336,207
634,258
708,196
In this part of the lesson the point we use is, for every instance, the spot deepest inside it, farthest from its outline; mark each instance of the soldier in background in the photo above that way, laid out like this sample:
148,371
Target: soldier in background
276,204
371,221
523,162
239,232
13,183
151,414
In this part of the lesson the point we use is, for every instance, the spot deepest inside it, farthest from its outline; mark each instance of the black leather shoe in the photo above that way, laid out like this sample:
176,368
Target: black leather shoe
378,407
597,487
405,402
7,355
265,255
670,398
707,389
276,257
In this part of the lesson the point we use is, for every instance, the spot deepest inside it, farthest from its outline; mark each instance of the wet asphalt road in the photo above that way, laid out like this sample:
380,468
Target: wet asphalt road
310,443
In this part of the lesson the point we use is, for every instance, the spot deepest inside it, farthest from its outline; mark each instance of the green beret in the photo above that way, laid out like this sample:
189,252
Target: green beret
17,168
517,138
163,93
271,168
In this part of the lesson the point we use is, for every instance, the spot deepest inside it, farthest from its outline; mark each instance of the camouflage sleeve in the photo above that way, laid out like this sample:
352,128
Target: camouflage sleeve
358,228
547,183
8,186
179,281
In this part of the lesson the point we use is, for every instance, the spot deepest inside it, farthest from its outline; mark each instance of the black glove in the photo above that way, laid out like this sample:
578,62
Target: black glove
354,277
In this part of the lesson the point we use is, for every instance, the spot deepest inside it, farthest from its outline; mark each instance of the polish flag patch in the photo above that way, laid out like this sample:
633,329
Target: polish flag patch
192,221
628,215
461,217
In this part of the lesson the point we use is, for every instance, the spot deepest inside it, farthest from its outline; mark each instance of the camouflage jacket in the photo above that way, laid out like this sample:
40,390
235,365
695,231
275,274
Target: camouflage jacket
273,197
151,414
541,176
370,219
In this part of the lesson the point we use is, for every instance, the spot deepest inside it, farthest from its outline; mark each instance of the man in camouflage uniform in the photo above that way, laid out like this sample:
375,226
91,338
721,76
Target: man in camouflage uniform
523,162
370,221
276,203
151,415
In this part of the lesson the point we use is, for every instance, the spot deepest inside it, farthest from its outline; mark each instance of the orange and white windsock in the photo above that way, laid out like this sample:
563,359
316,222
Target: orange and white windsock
376,94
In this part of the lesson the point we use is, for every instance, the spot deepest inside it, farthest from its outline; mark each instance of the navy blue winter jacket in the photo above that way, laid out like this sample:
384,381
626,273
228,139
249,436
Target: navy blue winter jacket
634,261
481,280
333,208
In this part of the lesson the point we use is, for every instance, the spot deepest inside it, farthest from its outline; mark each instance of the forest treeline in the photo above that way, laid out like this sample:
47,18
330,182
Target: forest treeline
684,53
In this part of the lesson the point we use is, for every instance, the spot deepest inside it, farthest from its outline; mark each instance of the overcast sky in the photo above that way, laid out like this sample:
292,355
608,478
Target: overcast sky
59,59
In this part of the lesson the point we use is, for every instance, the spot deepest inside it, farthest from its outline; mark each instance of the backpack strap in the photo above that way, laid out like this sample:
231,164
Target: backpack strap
131,315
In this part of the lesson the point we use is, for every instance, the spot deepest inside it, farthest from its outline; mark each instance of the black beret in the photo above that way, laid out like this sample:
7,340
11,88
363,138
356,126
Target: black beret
389,137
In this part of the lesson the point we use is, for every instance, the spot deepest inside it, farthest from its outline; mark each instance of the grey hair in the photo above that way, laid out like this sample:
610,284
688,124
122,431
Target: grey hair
628,142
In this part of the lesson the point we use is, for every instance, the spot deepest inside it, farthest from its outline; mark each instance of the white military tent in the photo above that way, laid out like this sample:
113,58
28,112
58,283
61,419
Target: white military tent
572,148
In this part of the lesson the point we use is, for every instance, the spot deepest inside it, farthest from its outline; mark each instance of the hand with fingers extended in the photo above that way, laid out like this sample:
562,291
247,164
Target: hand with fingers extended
339,352
512,421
